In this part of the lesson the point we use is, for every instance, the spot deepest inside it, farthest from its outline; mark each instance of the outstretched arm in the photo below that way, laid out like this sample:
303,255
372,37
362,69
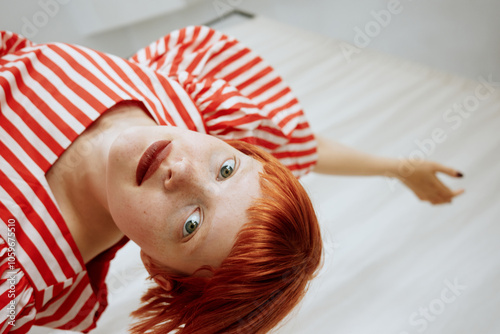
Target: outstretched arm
420,176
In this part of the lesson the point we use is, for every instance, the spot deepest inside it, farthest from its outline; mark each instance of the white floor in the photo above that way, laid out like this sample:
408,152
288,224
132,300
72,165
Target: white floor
457,36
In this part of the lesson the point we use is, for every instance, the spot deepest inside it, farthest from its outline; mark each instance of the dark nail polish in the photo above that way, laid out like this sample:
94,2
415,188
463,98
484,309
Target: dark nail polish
460,174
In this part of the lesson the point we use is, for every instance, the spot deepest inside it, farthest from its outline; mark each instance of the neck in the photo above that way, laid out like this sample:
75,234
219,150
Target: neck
78,181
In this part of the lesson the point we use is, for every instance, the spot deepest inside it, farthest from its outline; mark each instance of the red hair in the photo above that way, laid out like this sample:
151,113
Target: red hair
275,255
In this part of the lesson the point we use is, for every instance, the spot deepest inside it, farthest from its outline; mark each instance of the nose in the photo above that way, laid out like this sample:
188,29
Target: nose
183,175
178,174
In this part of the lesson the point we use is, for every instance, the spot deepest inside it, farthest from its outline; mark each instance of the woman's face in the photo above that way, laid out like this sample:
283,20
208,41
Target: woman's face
186,212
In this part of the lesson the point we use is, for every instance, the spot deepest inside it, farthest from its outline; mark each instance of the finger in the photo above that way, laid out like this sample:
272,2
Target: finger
458,192
448,170
441,199
442,190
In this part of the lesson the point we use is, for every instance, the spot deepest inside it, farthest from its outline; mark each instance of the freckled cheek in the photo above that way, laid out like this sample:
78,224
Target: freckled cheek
144,211
135,217
156,220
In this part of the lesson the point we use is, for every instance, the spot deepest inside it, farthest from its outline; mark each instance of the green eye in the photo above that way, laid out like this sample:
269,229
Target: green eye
191,224
227,169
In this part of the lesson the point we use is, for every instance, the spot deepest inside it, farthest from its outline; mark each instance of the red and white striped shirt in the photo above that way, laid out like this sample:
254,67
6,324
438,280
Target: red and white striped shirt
195,78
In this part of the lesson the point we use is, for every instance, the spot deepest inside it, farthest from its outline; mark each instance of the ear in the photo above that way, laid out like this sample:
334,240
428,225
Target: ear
160,280
163,282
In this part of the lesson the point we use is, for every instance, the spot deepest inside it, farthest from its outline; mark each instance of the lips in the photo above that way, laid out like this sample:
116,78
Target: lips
151,160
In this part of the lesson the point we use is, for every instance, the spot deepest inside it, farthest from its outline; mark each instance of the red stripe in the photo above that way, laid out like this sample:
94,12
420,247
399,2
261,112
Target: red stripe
181,109
276,96
160,59
302,140
18,55
207,83
286,107
264,88
301,167
148,52
227,62
294,154
212,114
301,126
67,304
205,40
33,153
228,44
243,69
229,125
24,328
219,97
269,146
289,118
178,57
149,57
272,130
200,54
254,78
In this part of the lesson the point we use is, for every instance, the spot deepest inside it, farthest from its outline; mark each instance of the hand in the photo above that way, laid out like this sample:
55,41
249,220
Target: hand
420,177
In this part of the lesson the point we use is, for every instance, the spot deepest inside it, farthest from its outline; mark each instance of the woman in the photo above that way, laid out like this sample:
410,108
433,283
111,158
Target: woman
227,233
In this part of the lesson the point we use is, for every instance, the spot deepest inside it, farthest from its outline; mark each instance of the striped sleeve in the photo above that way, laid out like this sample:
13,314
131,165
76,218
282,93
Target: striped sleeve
237,93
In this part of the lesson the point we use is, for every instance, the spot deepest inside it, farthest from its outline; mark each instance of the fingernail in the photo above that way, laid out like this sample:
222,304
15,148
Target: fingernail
459,174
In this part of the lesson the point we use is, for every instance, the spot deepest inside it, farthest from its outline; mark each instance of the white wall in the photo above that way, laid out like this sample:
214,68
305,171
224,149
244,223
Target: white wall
458,36
64,21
